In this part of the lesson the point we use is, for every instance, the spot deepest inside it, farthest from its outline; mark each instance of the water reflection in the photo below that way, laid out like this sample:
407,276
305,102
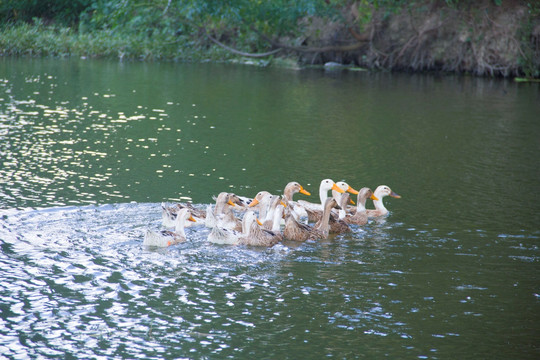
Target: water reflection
97,146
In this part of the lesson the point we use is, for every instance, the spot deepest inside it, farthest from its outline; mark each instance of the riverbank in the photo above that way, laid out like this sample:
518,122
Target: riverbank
487,39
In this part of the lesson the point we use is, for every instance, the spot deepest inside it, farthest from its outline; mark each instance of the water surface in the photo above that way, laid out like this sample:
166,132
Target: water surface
89,150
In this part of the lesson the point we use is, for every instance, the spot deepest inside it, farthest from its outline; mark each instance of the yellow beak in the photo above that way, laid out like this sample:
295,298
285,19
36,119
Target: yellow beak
190,218
253,203
303,191
258,222
337,188
352,191
373,197
230,203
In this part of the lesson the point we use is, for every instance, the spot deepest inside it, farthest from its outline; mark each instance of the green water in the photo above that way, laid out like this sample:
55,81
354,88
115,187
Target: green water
89,150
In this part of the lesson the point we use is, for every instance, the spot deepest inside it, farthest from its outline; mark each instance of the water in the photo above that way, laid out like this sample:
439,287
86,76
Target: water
89,150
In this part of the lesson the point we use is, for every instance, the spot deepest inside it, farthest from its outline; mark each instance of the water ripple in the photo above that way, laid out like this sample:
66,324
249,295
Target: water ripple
77,282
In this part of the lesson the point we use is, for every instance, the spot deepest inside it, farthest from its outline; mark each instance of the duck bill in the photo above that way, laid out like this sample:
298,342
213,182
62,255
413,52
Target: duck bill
230,203
394,195
192,219
304,191
283,203
352,191
373,197
352,202
253,203
337,188
259,222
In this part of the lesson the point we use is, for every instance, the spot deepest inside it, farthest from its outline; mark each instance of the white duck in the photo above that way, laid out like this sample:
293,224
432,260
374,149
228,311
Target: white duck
345,187
274,214
260,203
165,238
316,215
324,187
380,193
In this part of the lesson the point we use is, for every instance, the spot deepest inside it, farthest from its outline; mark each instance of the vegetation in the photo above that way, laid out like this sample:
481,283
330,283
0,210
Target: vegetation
450,35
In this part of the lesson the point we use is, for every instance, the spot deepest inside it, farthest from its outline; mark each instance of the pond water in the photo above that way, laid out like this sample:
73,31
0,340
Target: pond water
90,149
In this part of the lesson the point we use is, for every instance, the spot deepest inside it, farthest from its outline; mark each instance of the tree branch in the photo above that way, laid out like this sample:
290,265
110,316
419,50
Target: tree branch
234,51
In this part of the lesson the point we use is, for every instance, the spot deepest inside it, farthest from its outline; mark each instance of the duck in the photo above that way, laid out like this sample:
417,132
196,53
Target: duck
278,218
345,187
360,217
258,236
315,215
292,188
274,213
169,213
301,232
222,215
324,187
380,192
260,202
336,222
251,234
166,238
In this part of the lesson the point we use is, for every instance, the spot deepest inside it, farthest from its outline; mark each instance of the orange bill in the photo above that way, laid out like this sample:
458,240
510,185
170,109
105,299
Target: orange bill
373,197
337,188
304,191
352,191
191,218
230,203
253,203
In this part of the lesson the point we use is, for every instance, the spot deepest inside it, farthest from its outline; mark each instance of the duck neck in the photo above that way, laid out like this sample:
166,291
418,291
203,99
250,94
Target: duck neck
336,196
288,194
379,204
323,195
278,215
246,227
219,208
269,214
180,225
324,225
263,209
360,204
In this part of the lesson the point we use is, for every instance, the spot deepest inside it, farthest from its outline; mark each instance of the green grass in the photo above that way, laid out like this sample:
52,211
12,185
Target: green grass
39,40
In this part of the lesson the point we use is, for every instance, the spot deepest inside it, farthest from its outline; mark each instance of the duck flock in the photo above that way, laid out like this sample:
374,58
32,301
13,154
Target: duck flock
267,219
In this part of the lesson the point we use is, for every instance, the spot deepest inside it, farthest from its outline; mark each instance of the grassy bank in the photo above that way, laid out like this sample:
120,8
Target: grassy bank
25,39
487,38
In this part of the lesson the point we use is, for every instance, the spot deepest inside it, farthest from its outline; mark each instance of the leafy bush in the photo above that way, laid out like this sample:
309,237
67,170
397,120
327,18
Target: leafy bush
62,11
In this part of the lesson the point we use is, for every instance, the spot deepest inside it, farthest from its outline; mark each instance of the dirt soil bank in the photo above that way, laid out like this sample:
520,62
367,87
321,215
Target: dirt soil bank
476,37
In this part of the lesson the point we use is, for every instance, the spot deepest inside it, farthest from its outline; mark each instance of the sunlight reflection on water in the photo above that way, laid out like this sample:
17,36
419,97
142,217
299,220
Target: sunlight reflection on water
448,265
78,276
